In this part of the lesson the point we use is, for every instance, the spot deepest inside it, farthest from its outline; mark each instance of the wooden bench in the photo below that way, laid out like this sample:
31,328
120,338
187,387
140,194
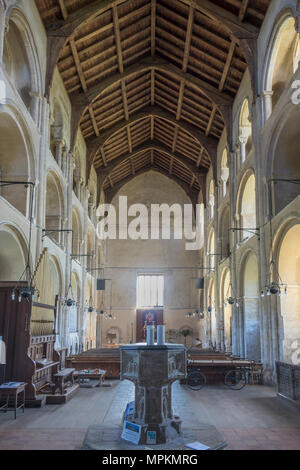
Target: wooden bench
82,375
61,378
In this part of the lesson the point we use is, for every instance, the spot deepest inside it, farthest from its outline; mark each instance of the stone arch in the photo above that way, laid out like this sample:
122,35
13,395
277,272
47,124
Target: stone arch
282,59
246,205
283,163
287,261
249,276
21,60
17,159
13,253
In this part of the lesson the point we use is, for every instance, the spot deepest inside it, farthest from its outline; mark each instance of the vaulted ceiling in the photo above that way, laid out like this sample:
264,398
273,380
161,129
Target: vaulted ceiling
151,82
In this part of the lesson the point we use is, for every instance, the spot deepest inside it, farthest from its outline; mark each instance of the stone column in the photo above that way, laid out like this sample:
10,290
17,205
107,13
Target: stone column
243,141
268,352
267,104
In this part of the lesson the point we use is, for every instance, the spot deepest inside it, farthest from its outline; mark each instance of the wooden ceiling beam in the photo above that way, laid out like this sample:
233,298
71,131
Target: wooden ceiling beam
243,9
152,87
63,9
93,119
175,139
129,139
154,64
225,18
153,26
227,65
188,38
180,100
103,157
118,38
78,65
151,145
211,120
209,143
124,98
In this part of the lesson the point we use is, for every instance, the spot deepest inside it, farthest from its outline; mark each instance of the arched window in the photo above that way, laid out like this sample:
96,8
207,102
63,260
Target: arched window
16,62
20,59
224,172
284,61
245,131
247,207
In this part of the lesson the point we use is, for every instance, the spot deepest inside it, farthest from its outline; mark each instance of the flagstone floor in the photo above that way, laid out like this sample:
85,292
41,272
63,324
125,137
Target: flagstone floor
253,418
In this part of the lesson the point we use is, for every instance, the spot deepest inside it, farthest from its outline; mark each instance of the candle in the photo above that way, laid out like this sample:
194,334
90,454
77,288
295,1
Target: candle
150,335
160,334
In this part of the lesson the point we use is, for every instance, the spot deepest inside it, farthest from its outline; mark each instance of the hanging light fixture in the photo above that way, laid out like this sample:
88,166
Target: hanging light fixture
28,291
231,299
69,300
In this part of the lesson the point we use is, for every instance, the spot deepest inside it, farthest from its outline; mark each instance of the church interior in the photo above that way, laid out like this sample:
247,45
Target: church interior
189,105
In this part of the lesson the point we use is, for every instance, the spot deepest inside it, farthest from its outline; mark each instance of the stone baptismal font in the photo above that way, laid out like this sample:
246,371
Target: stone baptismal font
153,369
150,419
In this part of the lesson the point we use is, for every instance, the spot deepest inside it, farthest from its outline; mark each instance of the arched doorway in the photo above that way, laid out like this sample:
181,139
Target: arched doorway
251,317
289,270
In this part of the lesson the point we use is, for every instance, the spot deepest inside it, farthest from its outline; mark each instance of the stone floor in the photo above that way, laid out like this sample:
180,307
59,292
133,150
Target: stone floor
253,418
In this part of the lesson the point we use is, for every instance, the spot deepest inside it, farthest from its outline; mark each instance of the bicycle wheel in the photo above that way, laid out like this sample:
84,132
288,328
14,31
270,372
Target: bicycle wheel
235,379
195,380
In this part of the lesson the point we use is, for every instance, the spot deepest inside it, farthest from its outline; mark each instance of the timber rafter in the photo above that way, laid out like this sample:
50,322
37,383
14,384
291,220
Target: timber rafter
151,70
